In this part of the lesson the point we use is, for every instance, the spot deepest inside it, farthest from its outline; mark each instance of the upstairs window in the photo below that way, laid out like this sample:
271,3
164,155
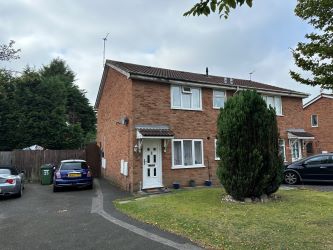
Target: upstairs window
219,98
184,97
314,120
275,102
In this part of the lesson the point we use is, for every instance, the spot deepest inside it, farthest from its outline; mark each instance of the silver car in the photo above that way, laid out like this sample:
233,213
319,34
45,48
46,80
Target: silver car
11,181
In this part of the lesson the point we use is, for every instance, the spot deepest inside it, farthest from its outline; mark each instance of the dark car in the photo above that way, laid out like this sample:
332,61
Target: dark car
11,181
72,173
313,168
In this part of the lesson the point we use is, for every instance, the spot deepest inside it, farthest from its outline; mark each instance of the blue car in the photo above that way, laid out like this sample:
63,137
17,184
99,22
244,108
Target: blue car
72,173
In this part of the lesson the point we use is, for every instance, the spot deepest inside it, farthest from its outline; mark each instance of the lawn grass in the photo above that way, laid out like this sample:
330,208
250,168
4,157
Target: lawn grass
301,219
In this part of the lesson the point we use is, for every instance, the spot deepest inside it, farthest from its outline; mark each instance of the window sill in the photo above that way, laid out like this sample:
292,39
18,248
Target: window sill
186,109
186,167
314,126
218,108
217,159
280,115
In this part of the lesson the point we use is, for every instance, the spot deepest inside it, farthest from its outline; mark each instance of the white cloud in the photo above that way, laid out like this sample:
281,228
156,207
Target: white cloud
157,34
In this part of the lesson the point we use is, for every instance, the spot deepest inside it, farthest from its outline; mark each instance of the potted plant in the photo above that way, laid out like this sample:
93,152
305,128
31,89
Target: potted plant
176,185
192,183
208,183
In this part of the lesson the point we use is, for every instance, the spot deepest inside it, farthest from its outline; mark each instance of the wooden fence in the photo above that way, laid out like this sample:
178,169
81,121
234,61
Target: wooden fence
31,160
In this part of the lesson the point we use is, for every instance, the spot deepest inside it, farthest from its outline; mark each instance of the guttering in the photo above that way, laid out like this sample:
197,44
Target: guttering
205,84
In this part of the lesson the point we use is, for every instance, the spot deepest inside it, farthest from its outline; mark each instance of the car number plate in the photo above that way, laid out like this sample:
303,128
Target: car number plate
74,175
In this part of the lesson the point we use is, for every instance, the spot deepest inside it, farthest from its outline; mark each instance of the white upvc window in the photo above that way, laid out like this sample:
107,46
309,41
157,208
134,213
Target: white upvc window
282,149
216,157
187,153
314,121
219,98
296,150
275,102
186,97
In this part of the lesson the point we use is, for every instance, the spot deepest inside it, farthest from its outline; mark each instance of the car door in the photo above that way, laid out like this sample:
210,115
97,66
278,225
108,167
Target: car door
315,168
328,168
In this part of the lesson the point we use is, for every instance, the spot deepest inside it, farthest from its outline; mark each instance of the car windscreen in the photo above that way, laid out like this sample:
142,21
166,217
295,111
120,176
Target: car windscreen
73,165
5,171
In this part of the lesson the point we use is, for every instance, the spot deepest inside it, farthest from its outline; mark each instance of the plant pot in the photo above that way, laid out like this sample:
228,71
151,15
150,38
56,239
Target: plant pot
192,183
176,185
208,183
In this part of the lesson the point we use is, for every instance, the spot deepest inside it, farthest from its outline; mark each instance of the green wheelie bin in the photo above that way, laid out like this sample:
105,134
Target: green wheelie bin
46,174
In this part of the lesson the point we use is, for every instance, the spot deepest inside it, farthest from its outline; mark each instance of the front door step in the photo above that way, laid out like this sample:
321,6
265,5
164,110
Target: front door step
161,190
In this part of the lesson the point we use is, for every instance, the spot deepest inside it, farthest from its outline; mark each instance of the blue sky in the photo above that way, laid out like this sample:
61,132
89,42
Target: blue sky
155,33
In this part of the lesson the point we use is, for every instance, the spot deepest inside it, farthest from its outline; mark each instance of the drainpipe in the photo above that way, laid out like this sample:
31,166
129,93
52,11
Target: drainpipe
238,89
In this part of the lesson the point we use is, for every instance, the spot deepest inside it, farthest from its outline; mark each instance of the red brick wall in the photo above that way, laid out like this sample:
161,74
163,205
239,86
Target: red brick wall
149,103
292,117
115,139
323,133
152,106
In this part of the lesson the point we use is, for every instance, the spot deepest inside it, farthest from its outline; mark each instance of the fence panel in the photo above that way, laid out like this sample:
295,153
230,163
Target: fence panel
5,158
31,160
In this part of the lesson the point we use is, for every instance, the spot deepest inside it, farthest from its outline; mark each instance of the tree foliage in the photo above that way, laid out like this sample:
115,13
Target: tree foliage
38,107
7,52
316,55
222,7
247,145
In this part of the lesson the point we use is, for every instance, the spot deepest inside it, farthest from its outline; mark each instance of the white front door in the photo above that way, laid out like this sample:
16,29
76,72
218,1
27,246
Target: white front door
296,150
152,163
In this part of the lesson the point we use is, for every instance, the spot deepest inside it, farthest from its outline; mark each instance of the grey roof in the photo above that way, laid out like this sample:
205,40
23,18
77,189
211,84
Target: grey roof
302,134
162,74
156,132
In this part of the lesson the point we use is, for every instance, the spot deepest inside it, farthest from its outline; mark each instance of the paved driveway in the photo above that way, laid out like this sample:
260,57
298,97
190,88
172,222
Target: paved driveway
83,219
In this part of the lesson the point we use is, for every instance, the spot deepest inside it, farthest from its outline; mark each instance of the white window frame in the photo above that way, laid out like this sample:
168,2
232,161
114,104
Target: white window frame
274,98
193,154
216,157
215,94
314,126
284,149
188,93
291,144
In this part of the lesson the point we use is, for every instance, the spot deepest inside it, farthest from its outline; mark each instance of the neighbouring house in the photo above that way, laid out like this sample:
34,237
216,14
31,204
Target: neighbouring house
158,126
318,120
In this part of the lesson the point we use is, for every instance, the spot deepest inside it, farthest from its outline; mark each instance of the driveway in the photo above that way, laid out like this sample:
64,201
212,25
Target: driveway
77,219
325,187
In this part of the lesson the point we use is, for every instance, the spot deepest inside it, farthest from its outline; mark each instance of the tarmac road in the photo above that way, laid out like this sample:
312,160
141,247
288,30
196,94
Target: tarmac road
77,219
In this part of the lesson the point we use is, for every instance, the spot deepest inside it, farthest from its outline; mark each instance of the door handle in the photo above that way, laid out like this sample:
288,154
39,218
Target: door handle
323,167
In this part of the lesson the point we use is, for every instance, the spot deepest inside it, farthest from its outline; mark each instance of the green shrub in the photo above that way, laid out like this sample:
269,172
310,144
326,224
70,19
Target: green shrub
247,145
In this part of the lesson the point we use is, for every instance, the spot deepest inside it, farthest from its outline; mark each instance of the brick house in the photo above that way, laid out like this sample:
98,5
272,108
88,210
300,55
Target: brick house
318,120
158,126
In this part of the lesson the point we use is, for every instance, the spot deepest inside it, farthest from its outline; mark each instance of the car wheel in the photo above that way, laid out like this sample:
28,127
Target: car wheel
291,178
90,186
55,189
19,194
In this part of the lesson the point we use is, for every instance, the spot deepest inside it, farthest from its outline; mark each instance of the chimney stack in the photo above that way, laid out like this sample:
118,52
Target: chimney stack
206,71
